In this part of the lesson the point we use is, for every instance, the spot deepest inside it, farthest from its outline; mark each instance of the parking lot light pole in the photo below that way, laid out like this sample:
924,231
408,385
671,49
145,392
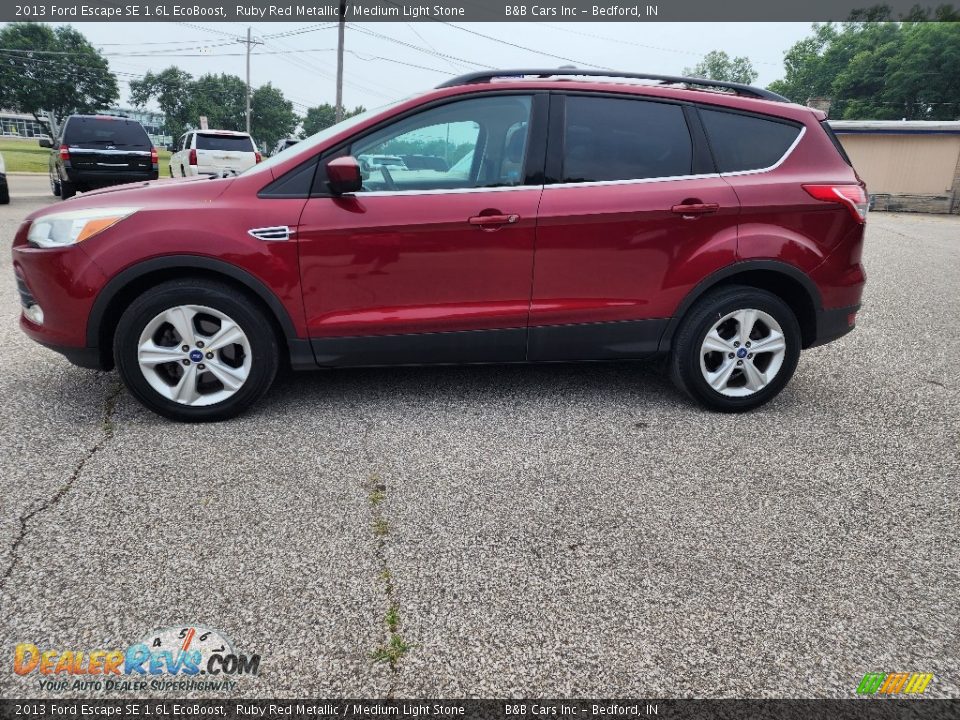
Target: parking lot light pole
248,80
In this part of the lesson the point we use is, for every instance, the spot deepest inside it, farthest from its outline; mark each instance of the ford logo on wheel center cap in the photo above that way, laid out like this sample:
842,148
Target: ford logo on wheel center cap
741,353
196,356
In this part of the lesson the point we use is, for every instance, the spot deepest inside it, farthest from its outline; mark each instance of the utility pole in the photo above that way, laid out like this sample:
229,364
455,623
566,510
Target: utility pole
338,110
249,43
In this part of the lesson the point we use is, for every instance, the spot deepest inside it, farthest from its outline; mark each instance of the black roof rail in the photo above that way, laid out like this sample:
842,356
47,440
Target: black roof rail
488,75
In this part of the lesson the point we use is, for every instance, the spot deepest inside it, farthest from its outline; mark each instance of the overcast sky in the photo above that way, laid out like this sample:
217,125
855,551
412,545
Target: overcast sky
387,61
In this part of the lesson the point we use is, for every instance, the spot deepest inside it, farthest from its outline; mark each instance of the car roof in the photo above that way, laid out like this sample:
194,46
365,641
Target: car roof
220,132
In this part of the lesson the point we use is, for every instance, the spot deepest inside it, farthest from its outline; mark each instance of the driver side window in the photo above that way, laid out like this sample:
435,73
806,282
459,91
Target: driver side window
473,143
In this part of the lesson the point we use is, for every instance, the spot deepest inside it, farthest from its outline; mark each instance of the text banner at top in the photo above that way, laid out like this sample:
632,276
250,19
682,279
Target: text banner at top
77,11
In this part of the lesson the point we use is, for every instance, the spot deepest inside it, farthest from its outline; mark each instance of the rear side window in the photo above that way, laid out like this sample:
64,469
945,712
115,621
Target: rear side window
103,132
623,139
224,143
746,142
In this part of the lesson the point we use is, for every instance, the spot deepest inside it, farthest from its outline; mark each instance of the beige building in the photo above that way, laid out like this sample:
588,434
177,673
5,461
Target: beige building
909,166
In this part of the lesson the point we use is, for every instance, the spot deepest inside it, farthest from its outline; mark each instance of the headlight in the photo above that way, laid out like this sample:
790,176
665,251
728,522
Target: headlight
69,228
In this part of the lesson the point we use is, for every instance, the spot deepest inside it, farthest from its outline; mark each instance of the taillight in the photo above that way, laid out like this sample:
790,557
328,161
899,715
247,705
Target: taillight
259,156
193,157
853,197
64,152
154,157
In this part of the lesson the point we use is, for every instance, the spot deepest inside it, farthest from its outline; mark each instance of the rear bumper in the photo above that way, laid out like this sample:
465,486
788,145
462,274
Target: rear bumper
834,323
96,179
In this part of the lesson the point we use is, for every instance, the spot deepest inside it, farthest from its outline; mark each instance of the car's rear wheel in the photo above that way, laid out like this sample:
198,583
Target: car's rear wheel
54,185
736,349
195,350
183,173
67,190
4,195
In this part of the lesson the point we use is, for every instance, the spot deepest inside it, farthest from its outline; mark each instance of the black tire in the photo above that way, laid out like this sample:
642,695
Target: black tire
4,195
170,168
54,185
685,368
264,352
67,190
183,173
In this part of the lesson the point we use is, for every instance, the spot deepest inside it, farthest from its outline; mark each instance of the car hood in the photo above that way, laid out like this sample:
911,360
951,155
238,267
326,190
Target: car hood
154,194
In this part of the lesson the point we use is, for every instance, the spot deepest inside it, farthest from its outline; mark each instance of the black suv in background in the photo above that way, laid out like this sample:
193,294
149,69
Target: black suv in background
94,151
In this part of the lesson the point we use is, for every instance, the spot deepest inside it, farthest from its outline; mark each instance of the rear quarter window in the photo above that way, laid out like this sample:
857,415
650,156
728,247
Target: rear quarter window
225,143
746,142
103,132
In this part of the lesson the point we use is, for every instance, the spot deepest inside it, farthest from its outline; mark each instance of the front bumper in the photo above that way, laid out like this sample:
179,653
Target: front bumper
64,283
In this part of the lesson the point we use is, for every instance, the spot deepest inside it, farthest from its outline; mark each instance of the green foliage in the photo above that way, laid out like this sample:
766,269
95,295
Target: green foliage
717,65
323,116
878,70
222,99
54,69
271,115
171,88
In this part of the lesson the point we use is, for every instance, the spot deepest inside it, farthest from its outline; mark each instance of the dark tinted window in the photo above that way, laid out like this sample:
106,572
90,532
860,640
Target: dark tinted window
224,143
103,132
746,142
620,139
836,142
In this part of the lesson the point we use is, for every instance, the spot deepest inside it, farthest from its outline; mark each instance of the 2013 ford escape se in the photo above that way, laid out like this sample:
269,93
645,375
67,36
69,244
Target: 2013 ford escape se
565,215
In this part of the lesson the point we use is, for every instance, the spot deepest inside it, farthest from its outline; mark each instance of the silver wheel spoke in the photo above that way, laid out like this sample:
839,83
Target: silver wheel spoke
228,334
186,391
714,343
718,380
232,378
151,354
182,320
755,379
746,319
774,342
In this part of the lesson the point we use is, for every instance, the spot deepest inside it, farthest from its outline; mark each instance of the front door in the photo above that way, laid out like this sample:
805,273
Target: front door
431,262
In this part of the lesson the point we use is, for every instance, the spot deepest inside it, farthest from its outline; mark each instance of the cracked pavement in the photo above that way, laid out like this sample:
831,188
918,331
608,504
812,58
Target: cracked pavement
552,531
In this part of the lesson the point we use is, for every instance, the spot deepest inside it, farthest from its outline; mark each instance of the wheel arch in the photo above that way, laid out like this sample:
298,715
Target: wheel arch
786,281
137,279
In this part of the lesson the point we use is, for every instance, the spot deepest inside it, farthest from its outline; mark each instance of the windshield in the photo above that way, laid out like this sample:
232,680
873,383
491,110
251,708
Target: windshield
321,137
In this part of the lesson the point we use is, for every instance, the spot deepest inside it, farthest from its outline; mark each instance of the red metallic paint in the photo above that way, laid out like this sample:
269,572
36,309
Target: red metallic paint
407,263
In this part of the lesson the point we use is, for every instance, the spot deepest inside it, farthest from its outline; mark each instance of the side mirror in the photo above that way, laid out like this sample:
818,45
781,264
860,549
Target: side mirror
343,175
45,141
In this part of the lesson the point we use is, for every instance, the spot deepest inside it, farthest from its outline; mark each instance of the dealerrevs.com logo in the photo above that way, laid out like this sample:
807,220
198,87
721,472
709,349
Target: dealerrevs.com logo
178,659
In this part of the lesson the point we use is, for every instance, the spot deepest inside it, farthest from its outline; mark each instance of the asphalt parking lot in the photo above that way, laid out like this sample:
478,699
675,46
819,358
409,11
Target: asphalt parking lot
541,531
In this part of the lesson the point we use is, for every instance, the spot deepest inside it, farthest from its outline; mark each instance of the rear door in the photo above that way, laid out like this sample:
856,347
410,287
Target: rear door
634,217
108,146
217,152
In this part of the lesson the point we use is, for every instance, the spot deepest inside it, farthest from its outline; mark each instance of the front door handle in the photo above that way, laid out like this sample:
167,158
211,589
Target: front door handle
492,222
692,209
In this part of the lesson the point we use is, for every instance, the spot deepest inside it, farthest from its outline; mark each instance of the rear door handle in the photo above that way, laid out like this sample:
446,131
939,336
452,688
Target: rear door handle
691,209
490,222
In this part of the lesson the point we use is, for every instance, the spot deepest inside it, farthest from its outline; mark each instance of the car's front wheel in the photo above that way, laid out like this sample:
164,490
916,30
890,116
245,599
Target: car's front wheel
195,350
736,349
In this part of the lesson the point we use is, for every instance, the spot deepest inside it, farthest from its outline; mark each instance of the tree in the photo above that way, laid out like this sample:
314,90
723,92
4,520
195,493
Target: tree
172,90
272,116
53,69
717,65
222,99
877,70
323,116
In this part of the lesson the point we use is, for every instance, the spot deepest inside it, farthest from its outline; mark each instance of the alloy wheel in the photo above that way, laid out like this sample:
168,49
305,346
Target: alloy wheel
194,355
742,352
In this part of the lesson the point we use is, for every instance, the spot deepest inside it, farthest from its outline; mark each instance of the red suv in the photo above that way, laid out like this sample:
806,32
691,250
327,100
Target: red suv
564,216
